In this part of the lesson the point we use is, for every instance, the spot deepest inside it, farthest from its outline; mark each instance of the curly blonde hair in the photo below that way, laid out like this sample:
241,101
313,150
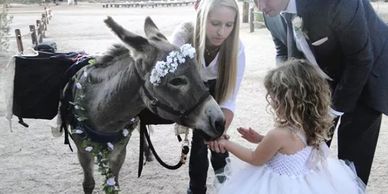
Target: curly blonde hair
300,99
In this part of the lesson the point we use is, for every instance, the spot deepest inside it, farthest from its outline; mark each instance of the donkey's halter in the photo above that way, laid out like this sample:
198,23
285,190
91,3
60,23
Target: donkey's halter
156,104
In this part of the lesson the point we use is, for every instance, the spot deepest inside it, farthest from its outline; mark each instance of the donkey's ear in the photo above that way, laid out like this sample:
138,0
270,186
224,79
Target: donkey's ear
152,32
130,39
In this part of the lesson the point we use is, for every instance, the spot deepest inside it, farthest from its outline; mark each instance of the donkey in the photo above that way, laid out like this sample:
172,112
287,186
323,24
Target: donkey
107,96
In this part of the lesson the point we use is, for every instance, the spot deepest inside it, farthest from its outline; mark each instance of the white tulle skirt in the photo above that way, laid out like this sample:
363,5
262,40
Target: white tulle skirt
336,178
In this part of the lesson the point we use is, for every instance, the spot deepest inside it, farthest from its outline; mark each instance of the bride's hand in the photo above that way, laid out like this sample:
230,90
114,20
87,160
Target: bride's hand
250,135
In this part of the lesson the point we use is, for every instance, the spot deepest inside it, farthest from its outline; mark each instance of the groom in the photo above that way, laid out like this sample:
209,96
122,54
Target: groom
350,45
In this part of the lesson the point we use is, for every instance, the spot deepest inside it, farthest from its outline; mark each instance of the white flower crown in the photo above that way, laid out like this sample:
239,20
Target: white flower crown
174,58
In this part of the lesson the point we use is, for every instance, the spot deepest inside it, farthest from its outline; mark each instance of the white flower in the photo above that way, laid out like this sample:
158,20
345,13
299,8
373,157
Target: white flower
187,50
297,23
174,58
125,132
78,85
110,145
111,181
89,148
78,131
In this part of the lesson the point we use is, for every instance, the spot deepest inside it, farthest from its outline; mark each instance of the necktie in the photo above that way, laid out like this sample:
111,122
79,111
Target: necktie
292,51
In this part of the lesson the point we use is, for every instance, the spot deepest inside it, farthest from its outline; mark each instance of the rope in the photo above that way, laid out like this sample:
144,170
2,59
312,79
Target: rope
144,133
171,167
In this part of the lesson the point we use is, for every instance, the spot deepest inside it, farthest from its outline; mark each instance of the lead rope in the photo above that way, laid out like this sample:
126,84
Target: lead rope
144,133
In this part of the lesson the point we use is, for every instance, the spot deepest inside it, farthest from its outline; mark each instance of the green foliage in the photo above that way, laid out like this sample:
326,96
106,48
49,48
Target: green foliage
5,21
258,16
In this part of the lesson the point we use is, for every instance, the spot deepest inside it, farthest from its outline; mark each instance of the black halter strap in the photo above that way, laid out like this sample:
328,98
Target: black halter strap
156,104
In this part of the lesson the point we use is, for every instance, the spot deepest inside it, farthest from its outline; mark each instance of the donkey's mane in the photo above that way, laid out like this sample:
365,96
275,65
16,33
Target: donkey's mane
115,61
116,53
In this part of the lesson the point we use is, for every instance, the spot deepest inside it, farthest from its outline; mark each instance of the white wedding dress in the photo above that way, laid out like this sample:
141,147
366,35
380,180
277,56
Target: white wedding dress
308,171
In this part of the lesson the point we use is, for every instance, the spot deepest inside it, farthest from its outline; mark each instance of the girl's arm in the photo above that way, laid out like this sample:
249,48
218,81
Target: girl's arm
250,135
266,149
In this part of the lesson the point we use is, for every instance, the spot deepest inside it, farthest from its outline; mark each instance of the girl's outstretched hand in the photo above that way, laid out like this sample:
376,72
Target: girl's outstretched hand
250,135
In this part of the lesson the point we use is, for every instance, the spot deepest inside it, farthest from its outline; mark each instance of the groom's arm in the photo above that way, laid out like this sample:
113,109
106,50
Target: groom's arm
351,27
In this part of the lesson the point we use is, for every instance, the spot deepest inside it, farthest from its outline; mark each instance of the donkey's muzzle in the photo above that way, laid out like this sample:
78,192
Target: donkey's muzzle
219,126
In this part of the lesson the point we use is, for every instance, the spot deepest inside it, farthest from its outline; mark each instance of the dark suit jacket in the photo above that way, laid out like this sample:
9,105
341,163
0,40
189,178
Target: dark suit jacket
355,54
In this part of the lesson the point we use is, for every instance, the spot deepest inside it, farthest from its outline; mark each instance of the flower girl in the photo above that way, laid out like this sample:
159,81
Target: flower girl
292,157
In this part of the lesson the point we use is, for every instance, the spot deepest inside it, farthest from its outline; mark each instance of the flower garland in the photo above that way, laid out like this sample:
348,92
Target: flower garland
100,151
174,58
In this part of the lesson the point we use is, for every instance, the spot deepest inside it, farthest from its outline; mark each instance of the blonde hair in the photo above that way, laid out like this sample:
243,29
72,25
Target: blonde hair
300,99
227,58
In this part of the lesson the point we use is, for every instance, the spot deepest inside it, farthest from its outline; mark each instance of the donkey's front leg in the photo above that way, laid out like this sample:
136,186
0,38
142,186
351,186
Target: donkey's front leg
117,159
87,161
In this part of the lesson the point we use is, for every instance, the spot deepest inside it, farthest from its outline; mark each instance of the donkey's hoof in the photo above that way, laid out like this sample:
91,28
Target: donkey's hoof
88,188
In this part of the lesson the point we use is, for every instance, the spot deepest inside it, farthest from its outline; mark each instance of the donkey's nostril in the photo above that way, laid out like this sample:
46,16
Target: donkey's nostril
219,124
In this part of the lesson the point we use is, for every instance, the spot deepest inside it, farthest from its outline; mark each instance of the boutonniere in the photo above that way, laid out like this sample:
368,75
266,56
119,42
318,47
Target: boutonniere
297,24
302,45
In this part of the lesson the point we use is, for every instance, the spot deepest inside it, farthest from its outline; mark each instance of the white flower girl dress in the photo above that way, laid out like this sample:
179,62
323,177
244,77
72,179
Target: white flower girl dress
308,171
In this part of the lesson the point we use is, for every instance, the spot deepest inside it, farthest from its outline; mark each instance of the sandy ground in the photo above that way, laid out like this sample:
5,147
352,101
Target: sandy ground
33,161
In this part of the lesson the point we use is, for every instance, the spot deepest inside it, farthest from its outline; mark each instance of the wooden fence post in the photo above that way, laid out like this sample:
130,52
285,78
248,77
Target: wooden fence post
47,14
33,35
19,41
251,20
39,28
44,22
245,11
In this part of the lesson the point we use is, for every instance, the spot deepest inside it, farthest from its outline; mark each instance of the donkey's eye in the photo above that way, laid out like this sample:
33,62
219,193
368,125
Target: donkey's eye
178,81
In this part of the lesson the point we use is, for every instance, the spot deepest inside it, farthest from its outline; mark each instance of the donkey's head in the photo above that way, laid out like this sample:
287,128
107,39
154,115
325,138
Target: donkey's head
171,85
